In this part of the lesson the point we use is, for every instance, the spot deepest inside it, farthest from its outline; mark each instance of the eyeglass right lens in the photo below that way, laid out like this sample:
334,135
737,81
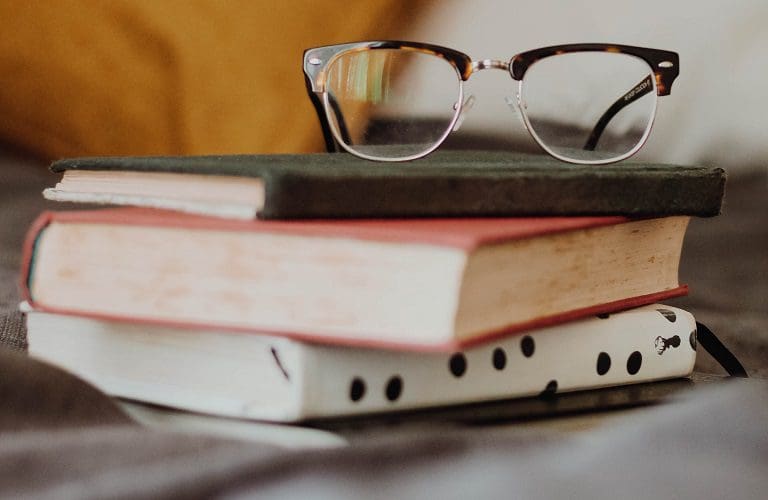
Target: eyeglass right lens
590,107
392,104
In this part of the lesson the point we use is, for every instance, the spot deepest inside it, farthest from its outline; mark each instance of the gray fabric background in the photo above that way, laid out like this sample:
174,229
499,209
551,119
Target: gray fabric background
66,440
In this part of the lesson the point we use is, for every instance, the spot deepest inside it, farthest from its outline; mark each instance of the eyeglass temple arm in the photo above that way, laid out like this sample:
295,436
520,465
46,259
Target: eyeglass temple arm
330,141
638,91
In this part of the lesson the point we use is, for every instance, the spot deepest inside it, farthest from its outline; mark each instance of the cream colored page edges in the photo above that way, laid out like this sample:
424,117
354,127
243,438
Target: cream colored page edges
578,271
204,188
212,208
344,288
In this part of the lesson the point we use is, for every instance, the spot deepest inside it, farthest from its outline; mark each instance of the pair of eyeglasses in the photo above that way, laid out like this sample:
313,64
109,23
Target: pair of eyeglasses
397,101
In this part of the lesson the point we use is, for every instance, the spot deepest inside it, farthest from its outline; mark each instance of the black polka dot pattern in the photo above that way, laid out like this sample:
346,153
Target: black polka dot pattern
458,364
670,315
549,390
634,362
527,346
603,363
499,358
394,388
357,389
692,340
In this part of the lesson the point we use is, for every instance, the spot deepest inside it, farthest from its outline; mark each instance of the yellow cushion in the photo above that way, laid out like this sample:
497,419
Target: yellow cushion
128,77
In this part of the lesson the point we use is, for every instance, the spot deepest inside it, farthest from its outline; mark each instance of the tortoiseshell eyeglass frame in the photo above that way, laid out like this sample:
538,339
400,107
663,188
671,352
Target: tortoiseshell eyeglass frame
664,64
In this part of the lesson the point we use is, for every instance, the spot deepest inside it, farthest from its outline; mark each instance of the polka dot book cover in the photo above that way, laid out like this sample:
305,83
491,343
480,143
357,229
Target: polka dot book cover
274,378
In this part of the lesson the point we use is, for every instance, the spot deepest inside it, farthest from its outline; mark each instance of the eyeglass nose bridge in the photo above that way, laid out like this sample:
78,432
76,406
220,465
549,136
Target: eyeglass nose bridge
489,64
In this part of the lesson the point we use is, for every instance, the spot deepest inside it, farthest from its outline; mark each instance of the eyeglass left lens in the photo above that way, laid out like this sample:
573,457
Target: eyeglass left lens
391,104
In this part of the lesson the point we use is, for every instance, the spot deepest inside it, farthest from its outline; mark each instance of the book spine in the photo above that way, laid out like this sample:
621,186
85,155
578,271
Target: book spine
640,345
28,252
529,193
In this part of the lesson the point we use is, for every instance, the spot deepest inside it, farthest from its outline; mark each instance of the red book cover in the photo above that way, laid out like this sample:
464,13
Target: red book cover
464,234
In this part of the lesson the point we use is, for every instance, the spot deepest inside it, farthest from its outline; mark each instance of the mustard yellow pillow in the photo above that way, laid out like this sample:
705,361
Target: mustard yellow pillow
128,77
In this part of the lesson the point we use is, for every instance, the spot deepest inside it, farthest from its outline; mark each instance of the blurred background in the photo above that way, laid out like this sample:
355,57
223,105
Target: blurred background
716,113
133,77
142,77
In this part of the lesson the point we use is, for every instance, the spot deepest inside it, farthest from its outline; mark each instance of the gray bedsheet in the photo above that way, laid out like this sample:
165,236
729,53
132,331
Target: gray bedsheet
61,438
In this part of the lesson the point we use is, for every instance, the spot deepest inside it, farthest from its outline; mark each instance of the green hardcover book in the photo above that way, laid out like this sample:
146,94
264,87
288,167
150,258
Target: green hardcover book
336,185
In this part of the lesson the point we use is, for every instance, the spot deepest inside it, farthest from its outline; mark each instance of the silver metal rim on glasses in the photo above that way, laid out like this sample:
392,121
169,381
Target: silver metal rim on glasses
663,65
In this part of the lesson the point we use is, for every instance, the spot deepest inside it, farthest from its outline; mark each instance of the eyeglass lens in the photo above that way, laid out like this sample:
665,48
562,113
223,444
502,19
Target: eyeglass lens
391,103
588,107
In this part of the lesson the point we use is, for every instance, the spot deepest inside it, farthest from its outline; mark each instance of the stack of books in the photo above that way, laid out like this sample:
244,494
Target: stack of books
299,287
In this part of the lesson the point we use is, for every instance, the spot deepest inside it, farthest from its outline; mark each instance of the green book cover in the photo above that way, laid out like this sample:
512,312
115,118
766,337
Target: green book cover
446,183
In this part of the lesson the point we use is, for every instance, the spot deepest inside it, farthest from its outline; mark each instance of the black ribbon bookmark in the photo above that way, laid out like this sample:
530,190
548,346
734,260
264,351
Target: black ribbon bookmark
709,341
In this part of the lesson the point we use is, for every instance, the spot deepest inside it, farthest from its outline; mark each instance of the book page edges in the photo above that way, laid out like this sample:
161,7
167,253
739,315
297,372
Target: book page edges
213,209
250,280
159,189
568,271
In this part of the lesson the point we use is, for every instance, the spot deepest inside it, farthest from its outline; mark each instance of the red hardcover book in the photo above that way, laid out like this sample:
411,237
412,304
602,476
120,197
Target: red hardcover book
429,284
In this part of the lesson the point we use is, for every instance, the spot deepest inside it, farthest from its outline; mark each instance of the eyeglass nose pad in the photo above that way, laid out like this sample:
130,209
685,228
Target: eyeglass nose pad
516,106
468,103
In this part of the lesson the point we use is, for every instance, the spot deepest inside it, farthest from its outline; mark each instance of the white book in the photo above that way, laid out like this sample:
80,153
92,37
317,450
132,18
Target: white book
254,376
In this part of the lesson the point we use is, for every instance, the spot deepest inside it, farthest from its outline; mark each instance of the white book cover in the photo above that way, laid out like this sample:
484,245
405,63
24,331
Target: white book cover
255,376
